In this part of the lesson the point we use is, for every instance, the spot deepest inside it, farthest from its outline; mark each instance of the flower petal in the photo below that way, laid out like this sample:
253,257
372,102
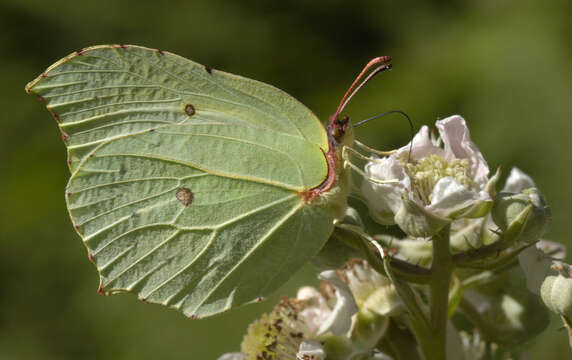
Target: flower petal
518,181
450,199
384,200
422,146
340,321
536,262
555,250
317,313
458,145
311,350
536,267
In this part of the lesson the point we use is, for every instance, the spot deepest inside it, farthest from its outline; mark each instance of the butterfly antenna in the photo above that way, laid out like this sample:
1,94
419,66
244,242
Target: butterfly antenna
378,65
361,122
411,127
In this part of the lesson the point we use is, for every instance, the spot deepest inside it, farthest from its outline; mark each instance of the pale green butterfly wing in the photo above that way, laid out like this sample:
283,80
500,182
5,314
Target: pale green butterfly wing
186,181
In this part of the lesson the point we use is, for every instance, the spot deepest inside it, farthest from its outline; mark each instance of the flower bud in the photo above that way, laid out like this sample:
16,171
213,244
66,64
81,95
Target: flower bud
524,214
556,292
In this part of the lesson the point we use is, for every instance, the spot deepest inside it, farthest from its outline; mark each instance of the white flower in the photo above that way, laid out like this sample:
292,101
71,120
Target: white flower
322,319
432,185
292,329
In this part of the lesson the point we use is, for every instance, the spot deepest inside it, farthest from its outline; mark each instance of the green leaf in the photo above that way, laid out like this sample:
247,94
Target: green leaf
186,181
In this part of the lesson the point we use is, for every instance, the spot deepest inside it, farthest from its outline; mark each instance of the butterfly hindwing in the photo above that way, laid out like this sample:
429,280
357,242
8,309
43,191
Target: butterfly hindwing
185,180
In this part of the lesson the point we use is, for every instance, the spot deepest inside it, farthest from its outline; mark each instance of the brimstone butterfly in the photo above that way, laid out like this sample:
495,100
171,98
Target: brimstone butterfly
194,188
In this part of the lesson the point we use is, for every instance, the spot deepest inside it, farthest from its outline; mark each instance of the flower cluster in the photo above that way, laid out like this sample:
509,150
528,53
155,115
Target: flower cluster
462,248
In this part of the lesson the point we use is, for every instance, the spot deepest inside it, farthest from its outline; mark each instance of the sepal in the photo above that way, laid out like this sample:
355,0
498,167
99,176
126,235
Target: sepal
416,221
526,213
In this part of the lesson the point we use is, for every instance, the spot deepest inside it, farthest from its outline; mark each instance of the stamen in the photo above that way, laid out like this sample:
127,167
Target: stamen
425,174
276,335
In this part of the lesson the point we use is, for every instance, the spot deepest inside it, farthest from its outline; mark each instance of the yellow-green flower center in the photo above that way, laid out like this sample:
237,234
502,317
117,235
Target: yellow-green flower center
425,173
276,336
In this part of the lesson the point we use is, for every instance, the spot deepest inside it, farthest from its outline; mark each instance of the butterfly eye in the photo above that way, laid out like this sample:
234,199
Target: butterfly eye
339,127
185,196
189,109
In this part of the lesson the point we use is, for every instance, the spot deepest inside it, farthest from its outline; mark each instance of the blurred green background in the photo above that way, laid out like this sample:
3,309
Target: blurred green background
505,65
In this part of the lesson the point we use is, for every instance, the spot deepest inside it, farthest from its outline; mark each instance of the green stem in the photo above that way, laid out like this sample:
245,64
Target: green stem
442,269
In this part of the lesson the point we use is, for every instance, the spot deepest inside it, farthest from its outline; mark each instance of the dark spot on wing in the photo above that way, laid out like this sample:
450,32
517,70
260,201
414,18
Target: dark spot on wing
80,52
208,69
189,109
185,196
65,136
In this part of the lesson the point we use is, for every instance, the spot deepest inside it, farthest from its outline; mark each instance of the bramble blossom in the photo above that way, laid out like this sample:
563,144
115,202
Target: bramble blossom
429,185
293,329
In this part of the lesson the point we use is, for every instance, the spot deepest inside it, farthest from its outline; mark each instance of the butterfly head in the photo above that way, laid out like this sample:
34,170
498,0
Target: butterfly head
337,128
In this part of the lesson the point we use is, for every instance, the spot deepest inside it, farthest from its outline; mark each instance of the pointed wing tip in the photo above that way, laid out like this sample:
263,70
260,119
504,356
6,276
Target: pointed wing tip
33,83
81,52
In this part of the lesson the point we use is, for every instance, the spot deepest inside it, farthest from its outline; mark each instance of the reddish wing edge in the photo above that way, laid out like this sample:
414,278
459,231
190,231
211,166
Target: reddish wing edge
337,127
332,160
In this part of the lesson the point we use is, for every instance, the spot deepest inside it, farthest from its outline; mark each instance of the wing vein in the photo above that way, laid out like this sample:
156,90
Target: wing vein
256,246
